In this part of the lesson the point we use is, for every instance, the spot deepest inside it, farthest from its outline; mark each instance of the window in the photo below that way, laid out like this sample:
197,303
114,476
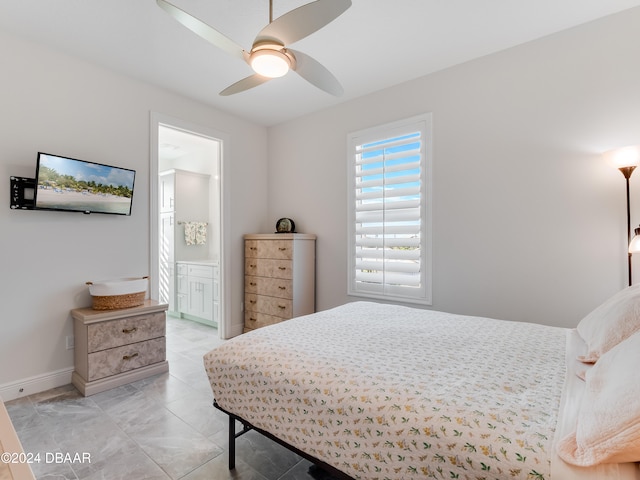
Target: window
390,211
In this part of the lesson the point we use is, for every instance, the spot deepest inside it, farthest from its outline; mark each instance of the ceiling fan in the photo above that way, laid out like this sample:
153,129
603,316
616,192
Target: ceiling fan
269,55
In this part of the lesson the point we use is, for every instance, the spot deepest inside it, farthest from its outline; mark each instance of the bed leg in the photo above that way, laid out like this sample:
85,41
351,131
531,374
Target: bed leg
232,442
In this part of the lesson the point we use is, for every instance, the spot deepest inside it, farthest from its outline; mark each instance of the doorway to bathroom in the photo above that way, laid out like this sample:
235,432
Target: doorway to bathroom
187,221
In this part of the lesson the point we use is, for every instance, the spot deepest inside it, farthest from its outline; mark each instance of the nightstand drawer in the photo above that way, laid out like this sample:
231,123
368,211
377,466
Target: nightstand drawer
272,287
115,333
122,359
279,307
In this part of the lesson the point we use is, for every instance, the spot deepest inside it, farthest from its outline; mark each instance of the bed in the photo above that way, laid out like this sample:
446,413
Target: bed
374,391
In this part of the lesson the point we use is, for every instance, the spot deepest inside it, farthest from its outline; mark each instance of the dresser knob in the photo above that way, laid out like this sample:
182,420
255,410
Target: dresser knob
282,288
253,319
130,330
282,249
282,268
282,307
129,357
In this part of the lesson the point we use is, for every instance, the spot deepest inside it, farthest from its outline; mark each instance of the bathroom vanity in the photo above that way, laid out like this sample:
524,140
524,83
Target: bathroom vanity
197,291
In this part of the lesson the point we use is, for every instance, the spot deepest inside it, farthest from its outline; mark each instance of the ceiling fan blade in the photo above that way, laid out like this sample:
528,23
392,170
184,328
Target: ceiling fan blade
202,29
303,21
316,74
244,84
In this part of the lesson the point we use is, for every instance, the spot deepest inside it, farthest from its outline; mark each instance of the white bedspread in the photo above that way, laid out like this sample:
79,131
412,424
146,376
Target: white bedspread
391,392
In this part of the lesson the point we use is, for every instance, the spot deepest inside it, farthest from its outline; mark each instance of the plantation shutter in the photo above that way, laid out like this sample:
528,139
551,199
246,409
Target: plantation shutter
388,251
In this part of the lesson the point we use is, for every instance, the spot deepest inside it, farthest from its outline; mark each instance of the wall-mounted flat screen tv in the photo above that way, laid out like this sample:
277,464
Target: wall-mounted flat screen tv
68,184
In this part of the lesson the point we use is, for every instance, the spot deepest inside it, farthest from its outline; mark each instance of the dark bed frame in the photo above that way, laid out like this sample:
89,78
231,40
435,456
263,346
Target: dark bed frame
246,427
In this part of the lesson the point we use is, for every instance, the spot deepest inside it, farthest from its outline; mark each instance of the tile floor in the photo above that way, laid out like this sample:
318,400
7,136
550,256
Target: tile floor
163,427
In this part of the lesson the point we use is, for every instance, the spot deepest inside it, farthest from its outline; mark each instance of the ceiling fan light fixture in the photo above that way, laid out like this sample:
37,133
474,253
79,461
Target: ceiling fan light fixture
270,63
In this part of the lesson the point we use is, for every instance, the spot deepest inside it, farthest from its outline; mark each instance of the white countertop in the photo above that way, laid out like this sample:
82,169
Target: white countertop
213,263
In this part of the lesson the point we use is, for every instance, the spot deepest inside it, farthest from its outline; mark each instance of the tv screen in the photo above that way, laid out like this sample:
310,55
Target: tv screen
79,186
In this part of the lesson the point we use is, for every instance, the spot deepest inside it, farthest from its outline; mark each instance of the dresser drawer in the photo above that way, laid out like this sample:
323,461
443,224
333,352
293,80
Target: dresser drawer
272,287
122,359
253,320
264,267
279,307
276,249
114,333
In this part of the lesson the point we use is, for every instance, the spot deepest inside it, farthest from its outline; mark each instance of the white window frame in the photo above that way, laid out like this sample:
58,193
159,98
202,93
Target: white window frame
386,290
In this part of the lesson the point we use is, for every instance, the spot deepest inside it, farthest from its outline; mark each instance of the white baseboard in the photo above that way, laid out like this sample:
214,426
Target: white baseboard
36,384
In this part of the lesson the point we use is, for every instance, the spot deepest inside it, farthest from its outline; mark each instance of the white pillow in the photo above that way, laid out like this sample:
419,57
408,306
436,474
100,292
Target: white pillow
610,323
608,420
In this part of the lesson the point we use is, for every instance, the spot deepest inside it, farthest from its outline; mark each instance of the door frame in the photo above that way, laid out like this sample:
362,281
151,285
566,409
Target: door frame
156,120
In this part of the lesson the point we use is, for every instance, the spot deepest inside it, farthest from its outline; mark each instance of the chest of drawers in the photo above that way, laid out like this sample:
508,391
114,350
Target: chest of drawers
279,278
115,347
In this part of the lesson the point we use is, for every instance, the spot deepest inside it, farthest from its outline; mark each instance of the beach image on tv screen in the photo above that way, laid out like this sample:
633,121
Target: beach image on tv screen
68,184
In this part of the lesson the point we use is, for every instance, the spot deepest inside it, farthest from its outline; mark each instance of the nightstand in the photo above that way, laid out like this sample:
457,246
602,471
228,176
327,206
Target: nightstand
115,347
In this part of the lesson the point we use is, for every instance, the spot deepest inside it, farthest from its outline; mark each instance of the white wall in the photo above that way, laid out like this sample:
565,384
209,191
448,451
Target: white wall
529,223
57,104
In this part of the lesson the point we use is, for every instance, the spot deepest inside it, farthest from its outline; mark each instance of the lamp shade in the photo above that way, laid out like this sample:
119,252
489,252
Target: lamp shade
270,63
624,157
634,244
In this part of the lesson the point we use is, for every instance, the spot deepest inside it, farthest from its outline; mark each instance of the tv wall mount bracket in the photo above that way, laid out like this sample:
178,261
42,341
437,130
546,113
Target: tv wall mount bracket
22,193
